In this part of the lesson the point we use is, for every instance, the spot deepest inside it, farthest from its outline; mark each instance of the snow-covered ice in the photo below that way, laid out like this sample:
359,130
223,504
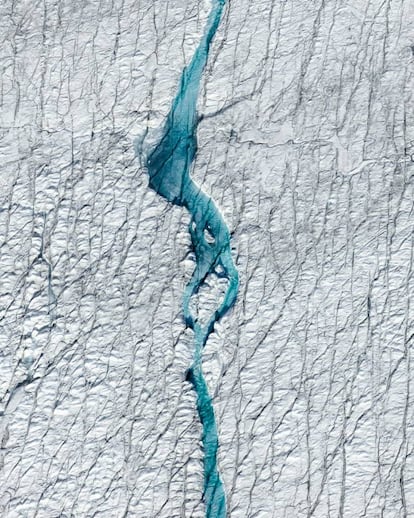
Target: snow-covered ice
306,145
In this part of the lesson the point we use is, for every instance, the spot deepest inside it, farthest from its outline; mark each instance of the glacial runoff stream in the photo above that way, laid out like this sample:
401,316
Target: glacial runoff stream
168,165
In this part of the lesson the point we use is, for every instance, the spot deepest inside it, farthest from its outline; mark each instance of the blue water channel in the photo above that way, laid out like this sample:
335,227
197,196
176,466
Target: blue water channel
168,165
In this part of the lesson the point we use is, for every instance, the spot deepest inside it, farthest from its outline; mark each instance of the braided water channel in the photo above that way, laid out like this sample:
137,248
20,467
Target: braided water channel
168,165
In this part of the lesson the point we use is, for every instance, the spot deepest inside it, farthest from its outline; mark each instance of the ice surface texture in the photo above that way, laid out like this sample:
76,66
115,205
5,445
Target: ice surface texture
305,142
168,166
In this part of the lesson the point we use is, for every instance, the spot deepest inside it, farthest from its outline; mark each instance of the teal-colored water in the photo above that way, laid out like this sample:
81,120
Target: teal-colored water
168,165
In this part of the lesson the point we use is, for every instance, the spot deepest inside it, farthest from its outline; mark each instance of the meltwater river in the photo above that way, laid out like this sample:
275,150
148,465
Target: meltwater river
168,165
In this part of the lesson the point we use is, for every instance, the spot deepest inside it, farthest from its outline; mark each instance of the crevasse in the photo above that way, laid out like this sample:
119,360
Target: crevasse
168,165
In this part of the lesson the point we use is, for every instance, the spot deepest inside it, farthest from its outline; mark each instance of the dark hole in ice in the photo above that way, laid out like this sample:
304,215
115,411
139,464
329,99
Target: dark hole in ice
219,270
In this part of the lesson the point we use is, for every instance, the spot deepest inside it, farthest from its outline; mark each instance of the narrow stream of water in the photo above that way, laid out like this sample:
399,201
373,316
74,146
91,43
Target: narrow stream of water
168,165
